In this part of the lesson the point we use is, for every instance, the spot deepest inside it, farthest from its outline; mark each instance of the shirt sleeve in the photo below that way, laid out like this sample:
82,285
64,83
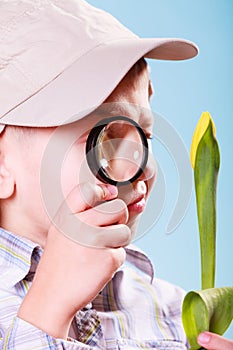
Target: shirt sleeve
21,335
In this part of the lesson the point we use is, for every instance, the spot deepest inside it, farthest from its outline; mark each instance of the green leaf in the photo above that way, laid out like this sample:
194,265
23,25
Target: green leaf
205,174
207,310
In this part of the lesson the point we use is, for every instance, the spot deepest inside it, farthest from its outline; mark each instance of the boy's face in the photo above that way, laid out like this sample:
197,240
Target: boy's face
56,162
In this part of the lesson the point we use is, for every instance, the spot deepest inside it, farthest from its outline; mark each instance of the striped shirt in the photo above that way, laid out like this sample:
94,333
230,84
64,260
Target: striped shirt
133,311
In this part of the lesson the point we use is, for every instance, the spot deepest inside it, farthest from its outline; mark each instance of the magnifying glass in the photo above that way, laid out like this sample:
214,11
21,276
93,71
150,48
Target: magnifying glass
117,150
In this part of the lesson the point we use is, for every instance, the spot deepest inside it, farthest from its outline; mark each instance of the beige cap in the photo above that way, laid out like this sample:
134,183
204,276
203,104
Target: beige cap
60,59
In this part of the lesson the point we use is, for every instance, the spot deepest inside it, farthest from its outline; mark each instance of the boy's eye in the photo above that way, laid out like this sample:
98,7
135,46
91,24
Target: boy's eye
117,150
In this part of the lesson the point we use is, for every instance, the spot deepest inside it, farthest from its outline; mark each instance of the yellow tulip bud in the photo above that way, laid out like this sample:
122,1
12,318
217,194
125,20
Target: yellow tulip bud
201,127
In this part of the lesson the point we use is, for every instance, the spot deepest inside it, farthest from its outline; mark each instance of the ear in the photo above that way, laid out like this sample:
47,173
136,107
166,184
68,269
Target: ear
7,182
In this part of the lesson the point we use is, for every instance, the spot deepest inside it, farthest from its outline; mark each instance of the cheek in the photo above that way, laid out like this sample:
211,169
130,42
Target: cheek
27,173
75,169
71,168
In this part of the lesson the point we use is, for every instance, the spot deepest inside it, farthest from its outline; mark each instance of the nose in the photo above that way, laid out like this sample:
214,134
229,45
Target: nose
150,170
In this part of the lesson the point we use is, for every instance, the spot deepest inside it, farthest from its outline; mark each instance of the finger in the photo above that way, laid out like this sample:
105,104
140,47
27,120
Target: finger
105,214
212,341
113,236
87,195
79,221
91,253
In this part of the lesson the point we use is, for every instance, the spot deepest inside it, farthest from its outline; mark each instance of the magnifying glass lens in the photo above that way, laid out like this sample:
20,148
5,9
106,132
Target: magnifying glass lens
117,150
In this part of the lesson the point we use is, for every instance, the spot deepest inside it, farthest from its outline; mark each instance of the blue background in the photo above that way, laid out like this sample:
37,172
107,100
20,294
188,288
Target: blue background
183,90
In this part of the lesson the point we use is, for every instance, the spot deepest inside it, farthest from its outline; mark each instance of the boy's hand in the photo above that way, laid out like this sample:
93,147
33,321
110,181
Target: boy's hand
213,341
69,274
93,216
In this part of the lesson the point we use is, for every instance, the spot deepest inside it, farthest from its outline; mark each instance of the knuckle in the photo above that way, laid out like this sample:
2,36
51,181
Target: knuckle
124,235
92,193
118,206
127,236
112,260
86,191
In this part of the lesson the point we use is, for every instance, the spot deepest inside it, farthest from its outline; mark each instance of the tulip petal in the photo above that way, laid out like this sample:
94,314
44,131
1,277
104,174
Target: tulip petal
198,133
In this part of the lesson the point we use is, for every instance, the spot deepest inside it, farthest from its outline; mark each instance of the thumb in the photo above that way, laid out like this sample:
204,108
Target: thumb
212,341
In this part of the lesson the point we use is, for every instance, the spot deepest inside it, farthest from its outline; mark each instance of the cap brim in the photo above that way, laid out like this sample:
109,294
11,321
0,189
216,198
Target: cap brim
83,86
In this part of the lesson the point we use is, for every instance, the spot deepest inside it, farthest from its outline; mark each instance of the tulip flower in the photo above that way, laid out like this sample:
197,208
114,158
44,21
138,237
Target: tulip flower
205,160
210,309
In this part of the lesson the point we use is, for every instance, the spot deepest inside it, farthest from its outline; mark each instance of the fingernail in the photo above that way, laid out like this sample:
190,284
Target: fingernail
203,338
112,190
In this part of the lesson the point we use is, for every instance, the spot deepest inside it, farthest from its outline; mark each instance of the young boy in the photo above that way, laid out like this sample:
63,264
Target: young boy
66,66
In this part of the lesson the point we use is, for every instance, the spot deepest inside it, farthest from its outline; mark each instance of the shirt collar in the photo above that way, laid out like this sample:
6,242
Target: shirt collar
18,254
139,259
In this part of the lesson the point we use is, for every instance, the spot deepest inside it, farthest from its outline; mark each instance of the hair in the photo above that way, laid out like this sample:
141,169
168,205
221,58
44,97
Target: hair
20,132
